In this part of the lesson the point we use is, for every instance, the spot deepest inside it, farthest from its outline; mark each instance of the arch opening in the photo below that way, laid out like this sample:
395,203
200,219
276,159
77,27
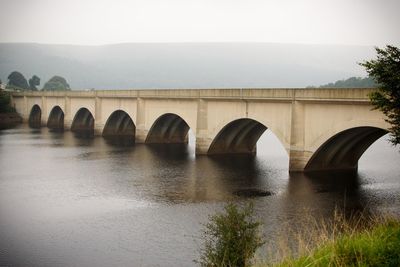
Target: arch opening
35,117
342,151
119,124
168,128
238,137
56,119
83,122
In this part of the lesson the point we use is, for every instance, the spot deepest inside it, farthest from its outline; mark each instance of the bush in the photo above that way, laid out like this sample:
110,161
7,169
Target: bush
5,103
231,238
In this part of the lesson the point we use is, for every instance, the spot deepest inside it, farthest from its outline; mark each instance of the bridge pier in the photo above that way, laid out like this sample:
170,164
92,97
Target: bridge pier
141,131
203,142
140,136
98,123
298,160
298,157
98,128
67,124
67,114
202,145
44,117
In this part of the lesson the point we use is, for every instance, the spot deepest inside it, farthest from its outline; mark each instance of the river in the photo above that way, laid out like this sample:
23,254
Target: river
72,201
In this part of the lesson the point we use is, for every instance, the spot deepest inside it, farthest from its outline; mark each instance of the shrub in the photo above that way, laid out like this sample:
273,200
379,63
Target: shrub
5,103
231,238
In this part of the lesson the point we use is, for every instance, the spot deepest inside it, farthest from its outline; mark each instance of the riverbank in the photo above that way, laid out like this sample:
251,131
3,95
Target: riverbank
374,244
9,120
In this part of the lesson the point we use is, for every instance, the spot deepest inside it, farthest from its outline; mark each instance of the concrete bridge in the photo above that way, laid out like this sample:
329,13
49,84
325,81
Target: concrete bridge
321,129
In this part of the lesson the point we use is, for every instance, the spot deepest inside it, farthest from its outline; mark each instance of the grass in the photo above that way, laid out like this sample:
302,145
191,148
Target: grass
359,241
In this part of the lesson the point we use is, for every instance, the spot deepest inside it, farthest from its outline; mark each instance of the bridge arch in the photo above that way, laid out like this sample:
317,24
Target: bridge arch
168,128
119,123
56,118
35,117
239,136
343,150
83,121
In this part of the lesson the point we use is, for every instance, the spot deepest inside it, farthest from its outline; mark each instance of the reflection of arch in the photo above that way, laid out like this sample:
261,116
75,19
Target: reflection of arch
343,150
35,117
168,128
239,136
56,118
83,121
119,124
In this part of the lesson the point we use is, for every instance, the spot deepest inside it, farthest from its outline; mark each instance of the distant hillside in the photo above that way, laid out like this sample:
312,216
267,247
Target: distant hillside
185,65
353,82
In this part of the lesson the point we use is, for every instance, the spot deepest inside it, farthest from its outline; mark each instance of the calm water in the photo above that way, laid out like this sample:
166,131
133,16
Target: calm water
69,201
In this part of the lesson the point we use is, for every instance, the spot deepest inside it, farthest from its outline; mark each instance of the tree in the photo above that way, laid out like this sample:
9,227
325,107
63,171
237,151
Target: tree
56,83
33,82
17,80
385,69
231,238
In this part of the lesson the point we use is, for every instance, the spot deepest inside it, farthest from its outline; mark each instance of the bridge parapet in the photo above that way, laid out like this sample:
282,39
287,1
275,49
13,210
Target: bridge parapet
234,93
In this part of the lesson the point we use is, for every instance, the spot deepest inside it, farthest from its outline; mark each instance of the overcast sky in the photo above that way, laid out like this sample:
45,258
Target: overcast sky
94,22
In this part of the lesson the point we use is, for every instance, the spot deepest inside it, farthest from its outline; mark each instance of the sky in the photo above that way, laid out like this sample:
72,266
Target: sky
97,22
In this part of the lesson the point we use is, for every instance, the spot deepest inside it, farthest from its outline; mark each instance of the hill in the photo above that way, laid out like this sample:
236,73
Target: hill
184,65
352,82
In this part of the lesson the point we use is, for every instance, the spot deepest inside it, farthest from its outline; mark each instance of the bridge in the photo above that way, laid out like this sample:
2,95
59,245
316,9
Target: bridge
321,129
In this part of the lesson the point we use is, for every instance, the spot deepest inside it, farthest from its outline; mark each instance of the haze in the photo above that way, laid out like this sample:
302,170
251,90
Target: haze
96,22
185,65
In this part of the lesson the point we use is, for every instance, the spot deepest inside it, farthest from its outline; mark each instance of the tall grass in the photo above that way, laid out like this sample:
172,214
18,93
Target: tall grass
359,240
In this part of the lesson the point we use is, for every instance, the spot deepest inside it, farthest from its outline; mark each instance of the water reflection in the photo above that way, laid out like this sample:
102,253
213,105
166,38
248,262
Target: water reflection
170,151
120,141
83,134
326,192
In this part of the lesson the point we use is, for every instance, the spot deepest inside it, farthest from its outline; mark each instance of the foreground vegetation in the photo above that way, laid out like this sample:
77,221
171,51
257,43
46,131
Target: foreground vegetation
385,70
5,105
8,117
375,245
232,237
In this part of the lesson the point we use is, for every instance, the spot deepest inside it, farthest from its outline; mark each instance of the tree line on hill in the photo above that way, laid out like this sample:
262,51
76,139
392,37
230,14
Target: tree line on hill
352,82
17,81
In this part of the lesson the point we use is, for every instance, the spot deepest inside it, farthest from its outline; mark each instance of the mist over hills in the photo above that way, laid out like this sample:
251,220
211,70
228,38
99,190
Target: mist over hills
185,65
